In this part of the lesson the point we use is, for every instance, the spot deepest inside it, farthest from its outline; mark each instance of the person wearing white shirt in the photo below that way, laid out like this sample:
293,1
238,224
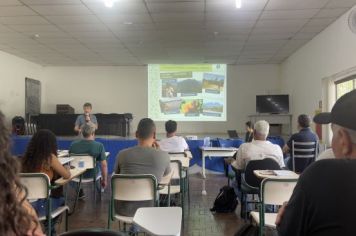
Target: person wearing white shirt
259,148
173,143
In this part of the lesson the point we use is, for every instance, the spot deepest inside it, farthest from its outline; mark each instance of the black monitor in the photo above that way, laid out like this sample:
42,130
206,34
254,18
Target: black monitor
274,104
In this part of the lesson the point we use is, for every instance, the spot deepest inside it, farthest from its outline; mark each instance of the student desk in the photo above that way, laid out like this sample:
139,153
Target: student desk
165,221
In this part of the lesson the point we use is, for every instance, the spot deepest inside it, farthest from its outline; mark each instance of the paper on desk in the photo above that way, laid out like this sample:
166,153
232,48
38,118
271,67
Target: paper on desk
283,172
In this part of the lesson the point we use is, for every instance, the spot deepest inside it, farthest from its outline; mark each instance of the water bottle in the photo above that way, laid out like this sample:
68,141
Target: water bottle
81,163
206,141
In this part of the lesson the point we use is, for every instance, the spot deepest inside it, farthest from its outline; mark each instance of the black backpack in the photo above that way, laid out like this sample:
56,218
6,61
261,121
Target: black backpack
225,201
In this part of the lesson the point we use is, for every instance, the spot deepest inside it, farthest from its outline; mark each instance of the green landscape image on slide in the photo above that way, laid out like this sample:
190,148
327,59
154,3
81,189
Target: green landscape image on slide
187,92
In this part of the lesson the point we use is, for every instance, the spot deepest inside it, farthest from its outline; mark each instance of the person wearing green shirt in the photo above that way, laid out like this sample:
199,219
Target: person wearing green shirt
89,146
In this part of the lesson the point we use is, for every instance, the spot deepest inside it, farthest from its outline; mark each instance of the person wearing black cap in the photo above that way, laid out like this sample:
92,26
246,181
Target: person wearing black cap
323,201
305,134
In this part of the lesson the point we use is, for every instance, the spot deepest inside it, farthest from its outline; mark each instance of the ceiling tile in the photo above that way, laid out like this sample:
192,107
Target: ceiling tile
82,19
16,11
340,3
322,22
176,7
229,5
83,27
35,28
50,2
23,20
125,7
233,16
10,3
61,10
330,13
289,14
295,5
178,17
142,18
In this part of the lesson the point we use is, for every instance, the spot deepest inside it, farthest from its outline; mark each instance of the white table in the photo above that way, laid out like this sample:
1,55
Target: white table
65,160
284,174
65,153
159,220
216,152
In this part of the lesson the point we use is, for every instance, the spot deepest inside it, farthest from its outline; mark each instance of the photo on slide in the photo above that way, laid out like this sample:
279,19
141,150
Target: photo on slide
212,108
189,87
170,106
213,83
191,107
169,88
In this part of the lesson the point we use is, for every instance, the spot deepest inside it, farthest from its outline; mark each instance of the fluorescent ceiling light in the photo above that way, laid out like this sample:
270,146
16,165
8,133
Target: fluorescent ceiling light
109,3
238,4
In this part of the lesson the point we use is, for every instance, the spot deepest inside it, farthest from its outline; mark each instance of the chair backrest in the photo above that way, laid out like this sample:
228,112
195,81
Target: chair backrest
176,167
89,161
37,184
127,187
277,191
177,154
263,164
304,150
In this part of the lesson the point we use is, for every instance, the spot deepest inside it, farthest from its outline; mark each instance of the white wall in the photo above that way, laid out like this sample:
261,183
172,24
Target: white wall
330,52
124,89
13,72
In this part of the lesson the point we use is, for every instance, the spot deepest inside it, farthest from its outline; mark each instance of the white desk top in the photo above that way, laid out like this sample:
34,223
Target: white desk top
159,220
219,149
73,174
65,160
65,153
284,174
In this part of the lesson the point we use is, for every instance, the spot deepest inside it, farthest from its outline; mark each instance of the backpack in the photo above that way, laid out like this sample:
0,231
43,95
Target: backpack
225,201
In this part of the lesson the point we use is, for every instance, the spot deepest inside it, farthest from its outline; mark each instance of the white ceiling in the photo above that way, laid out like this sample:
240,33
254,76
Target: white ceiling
137,32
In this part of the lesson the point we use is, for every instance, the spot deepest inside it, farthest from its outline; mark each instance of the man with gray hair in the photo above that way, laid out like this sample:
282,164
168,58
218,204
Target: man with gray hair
323,201
88,145
259,148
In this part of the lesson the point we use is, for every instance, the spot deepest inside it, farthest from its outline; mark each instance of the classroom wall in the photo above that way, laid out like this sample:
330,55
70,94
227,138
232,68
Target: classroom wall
330,52
12,89
124,89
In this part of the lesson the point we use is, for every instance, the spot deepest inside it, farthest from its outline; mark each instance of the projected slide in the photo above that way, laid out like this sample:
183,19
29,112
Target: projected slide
187,92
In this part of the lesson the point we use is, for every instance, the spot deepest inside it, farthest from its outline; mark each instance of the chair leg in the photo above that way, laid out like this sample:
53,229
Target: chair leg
188,189
66,223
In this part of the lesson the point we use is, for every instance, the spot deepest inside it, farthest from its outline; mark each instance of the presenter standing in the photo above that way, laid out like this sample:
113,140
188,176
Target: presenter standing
85,118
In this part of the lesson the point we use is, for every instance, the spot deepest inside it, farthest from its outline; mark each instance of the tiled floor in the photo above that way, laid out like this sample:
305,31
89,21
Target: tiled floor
198,220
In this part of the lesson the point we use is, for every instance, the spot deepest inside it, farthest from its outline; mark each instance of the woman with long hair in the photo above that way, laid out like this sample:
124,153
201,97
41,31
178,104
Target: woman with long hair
17,217
41,157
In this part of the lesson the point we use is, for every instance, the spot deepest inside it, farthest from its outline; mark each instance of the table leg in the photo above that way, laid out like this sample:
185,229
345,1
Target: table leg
203,164
76,195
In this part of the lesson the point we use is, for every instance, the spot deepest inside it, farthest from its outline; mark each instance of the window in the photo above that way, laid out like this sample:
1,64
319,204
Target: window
345,85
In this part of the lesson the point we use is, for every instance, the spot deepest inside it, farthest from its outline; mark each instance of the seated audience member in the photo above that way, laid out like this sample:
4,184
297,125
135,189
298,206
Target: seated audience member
88,145
146,158
305,134
323,201
173,143
327,154
249,132
17,216
87,117
41,157
259,148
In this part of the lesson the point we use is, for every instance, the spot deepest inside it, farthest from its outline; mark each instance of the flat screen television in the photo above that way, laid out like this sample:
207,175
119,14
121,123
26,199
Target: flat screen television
274,104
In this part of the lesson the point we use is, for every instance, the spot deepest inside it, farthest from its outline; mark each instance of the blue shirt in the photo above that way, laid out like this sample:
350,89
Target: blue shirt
81,120
304,135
